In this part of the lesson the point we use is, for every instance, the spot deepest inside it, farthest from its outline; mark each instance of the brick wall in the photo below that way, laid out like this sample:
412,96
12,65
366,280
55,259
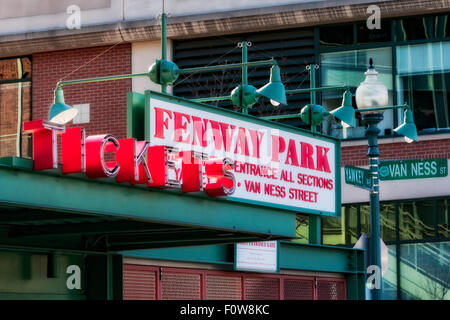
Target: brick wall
107,99
356,155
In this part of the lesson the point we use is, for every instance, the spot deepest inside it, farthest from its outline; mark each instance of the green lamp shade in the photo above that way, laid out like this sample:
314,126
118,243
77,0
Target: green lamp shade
274,90
313,114
163,72
244,96
62,113
408,128
346,113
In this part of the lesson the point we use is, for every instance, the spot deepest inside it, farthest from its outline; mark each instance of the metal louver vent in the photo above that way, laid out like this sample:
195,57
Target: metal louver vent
293,50
297,289
139,283
223,288
180,286
262,289
330,290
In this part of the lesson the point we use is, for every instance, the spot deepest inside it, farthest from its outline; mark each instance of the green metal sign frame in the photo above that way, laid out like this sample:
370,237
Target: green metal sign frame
48,190
413,169
359,177
134,125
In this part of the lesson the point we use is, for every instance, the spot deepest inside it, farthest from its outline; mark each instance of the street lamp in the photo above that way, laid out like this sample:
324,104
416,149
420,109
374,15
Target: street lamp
372,94
371,99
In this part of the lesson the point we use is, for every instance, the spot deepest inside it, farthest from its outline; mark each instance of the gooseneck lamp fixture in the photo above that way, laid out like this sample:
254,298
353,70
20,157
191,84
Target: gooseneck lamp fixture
60,112
313,114
274,90
408,128
346,112
245,96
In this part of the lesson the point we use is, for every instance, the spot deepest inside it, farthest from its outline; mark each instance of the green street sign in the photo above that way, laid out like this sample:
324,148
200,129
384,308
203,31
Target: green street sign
413,169
359,177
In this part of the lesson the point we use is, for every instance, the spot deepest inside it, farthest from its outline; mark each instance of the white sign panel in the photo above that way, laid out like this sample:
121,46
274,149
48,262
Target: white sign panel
258,256
286,168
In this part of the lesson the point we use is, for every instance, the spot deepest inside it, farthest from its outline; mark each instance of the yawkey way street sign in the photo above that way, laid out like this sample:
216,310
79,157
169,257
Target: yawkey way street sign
359,177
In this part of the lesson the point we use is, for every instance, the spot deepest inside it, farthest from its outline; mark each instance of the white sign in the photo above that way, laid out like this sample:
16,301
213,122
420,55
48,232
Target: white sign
258,256
284,168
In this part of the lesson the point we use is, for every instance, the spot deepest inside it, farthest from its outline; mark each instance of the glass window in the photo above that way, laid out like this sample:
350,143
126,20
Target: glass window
334,36
15,108
341,230
348,67
423,76
443,207
387,223
302,229
414,28
13,69
332,231
416,220
387,220
425,271
365,218
442,26
389,288
366,35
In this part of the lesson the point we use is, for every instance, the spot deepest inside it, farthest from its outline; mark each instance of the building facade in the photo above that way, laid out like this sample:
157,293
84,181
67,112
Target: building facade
410,48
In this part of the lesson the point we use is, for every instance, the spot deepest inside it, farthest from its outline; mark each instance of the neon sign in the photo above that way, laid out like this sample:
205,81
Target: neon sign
274,165
136,162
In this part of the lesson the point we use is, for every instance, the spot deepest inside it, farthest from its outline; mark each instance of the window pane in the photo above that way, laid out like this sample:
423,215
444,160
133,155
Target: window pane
13,69
334,36
366,35
416,220
302,229
341,230
348,67
387,220
332,232
387,216
442,26
423,76
443,207
414,28
365,218
425,271
14,97
389,289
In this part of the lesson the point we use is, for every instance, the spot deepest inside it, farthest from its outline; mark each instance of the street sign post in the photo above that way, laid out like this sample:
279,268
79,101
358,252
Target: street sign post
359,177
413,169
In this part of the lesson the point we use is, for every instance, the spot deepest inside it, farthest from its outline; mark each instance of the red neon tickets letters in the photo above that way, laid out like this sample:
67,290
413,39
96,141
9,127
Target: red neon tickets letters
135,161
44,143
220,180
73,150
96,166
191,171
